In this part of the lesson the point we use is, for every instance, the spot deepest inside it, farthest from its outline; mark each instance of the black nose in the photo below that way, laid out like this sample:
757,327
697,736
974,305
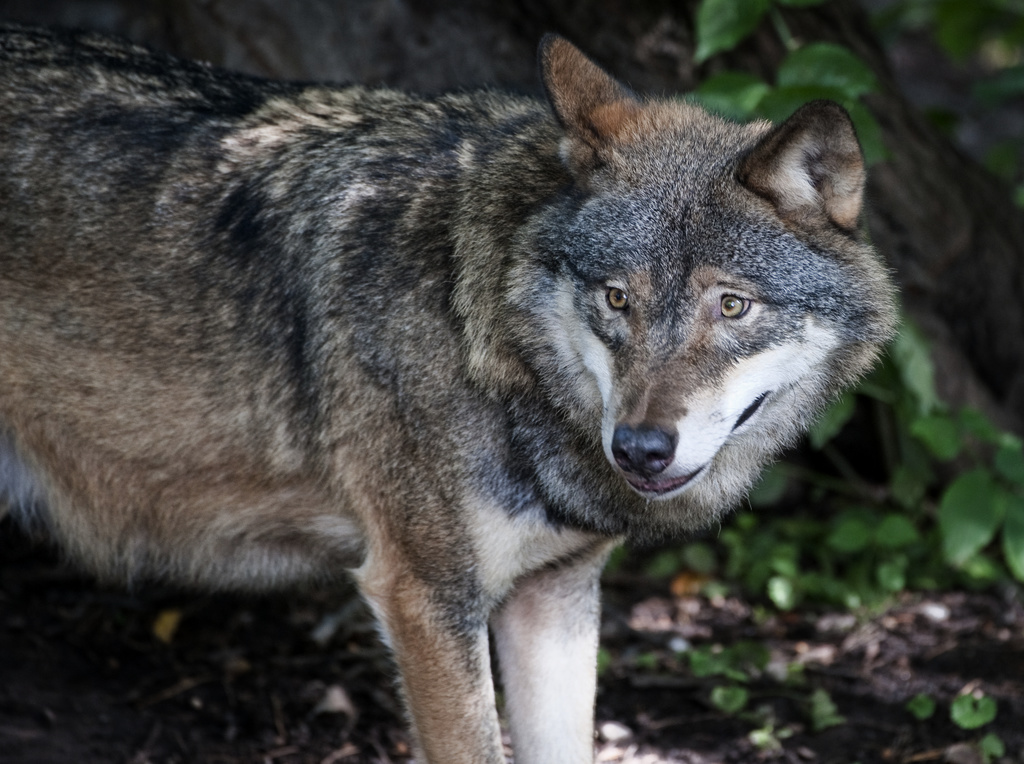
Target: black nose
643,450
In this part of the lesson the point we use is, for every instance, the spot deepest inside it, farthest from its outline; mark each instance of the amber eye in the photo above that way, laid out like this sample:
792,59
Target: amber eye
617,298
733,306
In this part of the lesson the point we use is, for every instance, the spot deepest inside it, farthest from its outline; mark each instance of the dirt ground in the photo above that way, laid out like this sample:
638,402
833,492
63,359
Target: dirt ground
91,675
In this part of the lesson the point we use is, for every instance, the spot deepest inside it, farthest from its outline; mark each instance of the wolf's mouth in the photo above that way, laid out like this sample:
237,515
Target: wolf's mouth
661,487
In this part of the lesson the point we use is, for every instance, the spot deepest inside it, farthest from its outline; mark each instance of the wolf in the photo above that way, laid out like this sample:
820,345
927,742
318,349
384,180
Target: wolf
257,334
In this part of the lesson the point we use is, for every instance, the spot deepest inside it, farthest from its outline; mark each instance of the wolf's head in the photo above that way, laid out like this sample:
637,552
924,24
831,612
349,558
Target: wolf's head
696,293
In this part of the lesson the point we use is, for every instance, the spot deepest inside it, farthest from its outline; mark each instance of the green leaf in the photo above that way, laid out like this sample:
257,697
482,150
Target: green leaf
800,3
992,747
1013,536
824,713
851,534
908,485
940,434
1009,463
892,575
981,427
784,559
895,532
982,570
825,587
721,24
969,515
705,662
912,357
748,653
734,95
781,592
729,700
960,27
833,420
969,712
827,65
765,740
921,707
869,132
779,104
713,590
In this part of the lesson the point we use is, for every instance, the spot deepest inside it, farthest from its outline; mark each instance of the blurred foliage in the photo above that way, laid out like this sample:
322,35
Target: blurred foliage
987,38
970,712
809,72
964,28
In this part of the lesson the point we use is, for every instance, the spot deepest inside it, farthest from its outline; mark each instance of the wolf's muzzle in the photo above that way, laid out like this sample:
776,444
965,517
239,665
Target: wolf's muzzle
643,450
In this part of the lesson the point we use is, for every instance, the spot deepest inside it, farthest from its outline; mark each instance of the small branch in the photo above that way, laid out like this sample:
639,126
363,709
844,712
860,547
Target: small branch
782,29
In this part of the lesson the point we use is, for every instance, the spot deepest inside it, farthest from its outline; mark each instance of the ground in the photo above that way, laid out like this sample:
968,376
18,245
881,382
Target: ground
95,675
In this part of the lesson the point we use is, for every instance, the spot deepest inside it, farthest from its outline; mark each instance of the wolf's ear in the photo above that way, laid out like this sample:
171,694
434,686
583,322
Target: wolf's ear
592,107
811,164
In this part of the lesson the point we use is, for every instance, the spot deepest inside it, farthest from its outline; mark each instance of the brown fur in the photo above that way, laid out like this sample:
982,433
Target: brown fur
255,334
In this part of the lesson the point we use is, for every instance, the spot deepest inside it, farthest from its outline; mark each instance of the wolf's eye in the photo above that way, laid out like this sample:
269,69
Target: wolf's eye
617,298
733,306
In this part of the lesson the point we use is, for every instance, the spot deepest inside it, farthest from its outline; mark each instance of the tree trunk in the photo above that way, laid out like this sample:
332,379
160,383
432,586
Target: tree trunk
949,229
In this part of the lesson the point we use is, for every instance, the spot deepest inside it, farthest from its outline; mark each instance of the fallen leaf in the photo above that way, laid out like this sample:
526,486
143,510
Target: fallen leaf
166,624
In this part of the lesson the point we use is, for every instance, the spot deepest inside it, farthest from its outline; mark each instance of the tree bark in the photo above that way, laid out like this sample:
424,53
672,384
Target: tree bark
949,229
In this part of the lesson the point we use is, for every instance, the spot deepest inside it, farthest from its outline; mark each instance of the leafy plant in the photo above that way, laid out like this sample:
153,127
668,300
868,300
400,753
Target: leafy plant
768,737
988,34
729,699
737,661
991,747
970,712
823,711
961,28
949,510
723,23
921,707
809,72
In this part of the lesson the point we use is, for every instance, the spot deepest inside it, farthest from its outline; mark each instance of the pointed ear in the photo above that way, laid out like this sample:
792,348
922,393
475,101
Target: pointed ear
811,164
592,107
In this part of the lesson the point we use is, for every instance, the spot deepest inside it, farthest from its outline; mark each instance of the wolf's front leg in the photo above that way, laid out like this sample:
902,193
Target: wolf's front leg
439,643
546,634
